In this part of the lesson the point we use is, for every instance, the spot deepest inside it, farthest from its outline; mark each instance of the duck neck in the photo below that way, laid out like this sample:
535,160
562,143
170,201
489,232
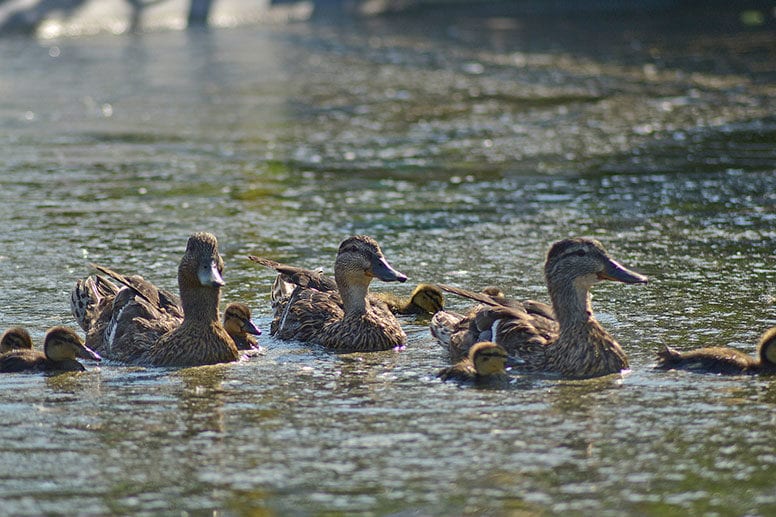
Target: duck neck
572,306
353,294
200,304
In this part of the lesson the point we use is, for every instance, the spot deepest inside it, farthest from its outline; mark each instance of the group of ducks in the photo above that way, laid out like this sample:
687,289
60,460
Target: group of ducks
128,319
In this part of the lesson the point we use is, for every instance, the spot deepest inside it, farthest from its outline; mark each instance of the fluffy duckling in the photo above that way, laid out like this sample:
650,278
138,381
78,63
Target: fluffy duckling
425,299
15,338
338,315
142,324
485,362
61,347
238,323
566,338
723,360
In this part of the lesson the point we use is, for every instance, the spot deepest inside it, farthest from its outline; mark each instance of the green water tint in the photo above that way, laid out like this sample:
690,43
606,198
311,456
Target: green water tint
466,159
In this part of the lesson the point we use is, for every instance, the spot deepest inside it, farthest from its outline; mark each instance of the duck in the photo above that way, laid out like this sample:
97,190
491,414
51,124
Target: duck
723,360
240,327
338,313
485,362
15,338
425,300
564,338
61,346
144,325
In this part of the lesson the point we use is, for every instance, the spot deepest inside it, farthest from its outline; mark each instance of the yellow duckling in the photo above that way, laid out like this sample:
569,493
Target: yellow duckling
238,323
15,338
425,299
337,314
485,362
723,360
564,339
61,347
141,324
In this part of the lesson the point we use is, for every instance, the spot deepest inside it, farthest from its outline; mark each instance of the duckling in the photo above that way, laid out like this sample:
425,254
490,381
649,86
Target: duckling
723,360
237,322
425,299
485,362
338,315
565,339
61,346
15,338
142,324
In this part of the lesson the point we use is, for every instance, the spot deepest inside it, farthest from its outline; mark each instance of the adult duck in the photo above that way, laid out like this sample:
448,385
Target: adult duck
142,324
337,314
238,323
723,360
566,338
15,338
61,348
485,363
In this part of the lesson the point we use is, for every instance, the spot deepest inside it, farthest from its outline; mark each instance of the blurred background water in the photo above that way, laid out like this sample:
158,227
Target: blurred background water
466,140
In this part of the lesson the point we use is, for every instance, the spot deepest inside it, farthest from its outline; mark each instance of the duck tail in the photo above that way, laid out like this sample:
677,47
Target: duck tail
668,357
443,324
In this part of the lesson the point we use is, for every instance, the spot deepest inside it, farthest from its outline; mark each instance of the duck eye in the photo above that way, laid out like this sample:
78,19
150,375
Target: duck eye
581,253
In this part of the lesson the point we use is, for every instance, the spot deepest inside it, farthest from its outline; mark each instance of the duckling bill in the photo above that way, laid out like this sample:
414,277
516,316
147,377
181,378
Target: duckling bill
485,363
61,348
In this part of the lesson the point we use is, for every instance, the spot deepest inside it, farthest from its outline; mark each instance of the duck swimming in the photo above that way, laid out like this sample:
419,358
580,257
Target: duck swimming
723,360
240,327
61,347
485,362
566,338
337,314
15,338
426,299
142,324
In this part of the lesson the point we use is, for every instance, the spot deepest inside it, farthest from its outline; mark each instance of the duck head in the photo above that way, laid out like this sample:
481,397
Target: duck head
15,338
63,344
428,298
488,358
360,259
584,262
766,348
237,321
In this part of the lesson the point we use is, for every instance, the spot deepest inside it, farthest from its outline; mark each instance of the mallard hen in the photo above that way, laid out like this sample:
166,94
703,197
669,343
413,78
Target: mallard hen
337,314
565,339
141,324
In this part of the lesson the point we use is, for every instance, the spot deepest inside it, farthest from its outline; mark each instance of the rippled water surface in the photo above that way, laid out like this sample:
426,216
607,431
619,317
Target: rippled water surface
466,146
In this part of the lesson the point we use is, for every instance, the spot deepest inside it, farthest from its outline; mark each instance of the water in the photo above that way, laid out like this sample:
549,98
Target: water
466,146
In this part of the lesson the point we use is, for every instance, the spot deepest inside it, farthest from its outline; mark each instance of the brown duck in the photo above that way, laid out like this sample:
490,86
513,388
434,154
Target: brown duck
141,324
426,299
238,323
566,338
15,338
61,347
486,362
337,314
723,360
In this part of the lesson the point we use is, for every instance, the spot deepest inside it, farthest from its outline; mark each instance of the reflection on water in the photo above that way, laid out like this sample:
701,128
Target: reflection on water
466,146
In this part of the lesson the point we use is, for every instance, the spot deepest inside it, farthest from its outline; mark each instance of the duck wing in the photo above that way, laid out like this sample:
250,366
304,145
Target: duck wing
297,275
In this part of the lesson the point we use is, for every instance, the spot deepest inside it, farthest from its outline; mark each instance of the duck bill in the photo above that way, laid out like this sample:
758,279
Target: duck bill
382,270
514,362
210,277
619,273
251,328
84,352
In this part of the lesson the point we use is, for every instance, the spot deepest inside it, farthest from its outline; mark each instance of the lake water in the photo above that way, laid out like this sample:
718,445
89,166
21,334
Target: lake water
466,145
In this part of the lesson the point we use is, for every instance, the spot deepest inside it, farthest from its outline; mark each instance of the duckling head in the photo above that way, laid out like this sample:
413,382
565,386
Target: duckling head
15,338
360,259
767,348
584,262
428,298
63,344
493,291
488,358
237,320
